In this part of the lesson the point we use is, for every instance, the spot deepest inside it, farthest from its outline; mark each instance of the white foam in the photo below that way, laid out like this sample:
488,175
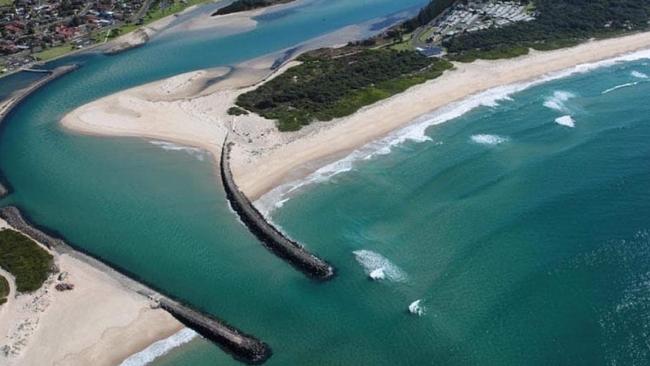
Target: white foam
160,348
378,274
416,131
170,146
558,101
417,308
484,139
567,121
378,267
639,75
626,85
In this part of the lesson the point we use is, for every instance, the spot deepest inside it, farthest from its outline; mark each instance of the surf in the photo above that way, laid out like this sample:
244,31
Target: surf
558,101
639,74
621,86
485,139
160,348
566,121
416,308
378,267
416,131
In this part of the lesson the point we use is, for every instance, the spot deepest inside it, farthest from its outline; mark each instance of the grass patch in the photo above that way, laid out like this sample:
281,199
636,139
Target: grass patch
4,290
426,35
27,261
330,84
54,52
6,2
175,6
405,45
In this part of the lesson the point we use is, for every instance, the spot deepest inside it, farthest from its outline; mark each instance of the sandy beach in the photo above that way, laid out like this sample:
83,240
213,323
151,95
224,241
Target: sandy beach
99,322
264,158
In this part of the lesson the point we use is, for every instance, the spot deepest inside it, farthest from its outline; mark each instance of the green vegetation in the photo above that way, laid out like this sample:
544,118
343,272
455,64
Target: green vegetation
162,8
158,10
236,111
558,24
243,5
54,52
490,54
333,83
27,261
4,290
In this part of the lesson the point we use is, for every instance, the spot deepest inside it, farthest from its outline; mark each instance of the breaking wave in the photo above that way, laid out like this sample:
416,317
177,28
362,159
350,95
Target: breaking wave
417,308
170,146
416,131
567,121
639,75
558,101
626,85
378,267
160,348
488,139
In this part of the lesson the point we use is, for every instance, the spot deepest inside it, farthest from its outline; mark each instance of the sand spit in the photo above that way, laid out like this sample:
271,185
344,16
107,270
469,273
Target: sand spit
264,158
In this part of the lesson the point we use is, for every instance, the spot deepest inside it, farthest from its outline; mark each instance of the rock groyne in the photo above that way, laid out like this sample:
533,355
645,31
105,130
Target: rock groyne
241,346
271,237
19,96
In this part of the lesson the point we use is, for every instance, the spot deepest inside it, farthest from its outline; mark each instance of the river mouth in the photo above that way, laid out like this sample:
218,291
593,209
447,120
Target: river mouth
503,237
159,213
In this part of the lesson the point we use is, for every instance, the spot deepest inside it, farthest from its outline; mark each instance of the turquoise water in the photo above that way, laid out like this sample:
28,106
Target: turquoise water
526,240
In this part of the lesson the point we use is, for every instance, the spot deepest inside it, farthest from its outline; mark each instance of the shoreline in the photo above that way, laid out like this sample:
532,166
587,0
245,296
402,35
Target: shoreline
346,135
265,159
30,330
231,340
8,105
124,42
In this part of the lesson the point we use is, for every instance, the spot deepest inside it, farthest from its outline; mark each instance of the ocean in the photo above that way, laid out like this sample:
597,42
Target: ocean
521,223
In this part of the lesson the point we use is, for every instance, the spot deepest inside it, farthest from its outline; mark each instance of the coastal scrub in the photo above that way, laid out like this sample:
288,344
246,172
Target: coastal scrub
27,261
4,290
335,83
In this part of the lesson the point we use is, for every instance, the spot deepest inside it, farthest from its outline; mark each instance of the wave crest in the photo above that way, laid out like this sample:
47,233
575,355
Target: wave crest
160,348
558,101
417,308
416,131
567,121
626,85
378,267
485,139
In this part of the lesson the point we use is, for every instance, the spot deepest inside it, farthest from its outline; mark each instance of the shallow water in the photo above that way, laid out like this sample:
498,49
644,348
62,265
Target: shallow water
533,250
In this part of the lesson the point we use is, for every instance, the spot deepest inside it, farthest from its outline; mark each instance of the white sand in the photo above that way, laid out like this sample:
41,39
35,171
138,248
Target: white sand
99,322
264,158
